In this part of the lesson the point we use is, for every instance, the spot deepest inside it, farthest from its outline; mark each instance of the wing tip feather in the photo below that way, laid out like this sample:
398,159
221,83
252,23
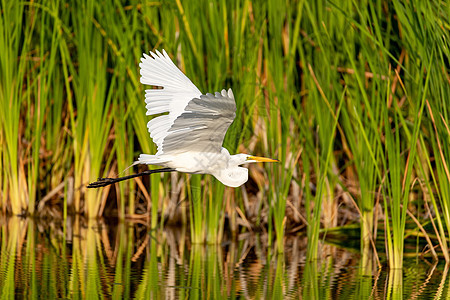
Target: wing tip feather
230,93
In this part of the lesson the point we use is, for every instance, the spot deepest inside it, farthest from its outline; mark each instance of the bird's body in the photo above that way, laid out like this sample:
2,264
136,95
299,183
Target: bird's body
192,162
189,134
222,165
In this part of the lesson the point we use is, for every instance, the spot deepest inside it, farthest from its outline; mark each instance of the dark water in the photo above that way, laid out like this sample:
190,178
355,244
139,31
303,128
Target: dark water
90,259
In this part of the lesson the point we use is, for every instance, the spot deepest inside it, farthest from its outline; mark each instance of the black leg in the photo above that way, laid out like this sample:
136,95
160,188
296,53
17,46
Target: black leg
101,182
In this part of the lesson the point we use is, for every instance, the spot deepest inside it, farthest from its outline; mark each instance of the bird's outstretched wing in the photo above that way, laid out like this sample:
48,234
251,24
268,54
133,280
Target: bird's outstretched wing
202,125
177,90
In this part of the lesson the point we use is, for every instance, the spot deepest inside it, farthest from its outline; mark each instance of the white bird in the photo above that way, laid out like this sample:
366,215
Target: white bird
189,138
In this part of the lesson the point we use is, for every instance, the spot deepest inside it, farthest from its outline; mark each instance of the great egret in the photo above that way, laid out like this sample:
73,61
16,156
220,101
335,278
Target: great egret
190,136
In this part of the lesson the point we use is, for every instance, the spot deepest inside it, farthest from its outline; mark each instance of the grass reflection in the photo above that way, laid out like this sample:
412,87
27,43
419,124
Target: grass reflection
103,259
10,241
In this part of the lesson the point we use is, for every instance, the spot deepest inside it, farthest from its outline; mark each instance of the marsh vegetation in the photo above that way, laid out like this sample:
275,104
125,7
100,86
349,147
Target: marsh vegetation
352,98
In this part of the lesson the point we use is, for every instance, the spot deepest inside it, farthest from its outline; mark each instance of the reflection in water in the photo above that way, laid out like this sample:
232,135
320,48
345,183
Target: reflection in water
96,259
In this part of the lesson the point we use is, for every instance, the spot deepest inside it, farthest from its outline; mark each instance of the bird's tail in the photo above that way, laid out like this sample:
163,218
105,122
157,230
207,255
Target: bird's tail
148,159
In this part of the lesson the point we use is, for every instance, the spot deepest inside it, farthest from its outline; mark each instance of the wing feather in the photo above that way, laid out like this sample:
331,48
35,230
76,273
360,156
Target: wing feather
203,124
157,69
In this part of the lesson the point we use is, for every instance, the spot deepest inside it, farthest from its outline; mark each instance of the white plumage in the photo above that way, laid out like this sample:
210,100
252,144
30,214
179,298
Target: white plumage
189,134
189,138
178,90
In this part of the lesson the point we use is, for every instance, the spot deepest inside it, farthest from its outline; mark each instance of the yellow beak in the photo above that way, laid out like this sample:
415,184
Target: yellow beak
262,159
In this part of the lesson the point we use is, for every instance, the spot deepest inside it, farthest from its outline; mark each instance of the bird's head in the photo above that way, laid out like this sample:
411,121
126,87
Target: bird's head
234,175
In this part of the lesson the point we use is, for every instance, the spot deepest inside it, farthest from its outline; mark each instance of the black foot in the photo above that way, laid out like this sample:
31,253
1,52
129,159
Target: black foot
101,182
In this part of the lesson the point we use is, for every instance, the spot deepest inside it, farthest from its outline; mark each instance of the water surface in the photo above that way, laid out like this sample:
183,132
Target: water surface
105,259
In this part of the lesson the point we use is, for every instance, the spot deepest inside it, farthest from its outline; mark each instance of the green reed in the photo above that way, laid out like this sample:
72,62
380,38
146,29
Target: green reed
364,139
214,214
196,209
324,165
40,87
440,180
93,94
118,43
70,90
422,85
281,93
432,40
321,104
127,39
91,106
14,42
